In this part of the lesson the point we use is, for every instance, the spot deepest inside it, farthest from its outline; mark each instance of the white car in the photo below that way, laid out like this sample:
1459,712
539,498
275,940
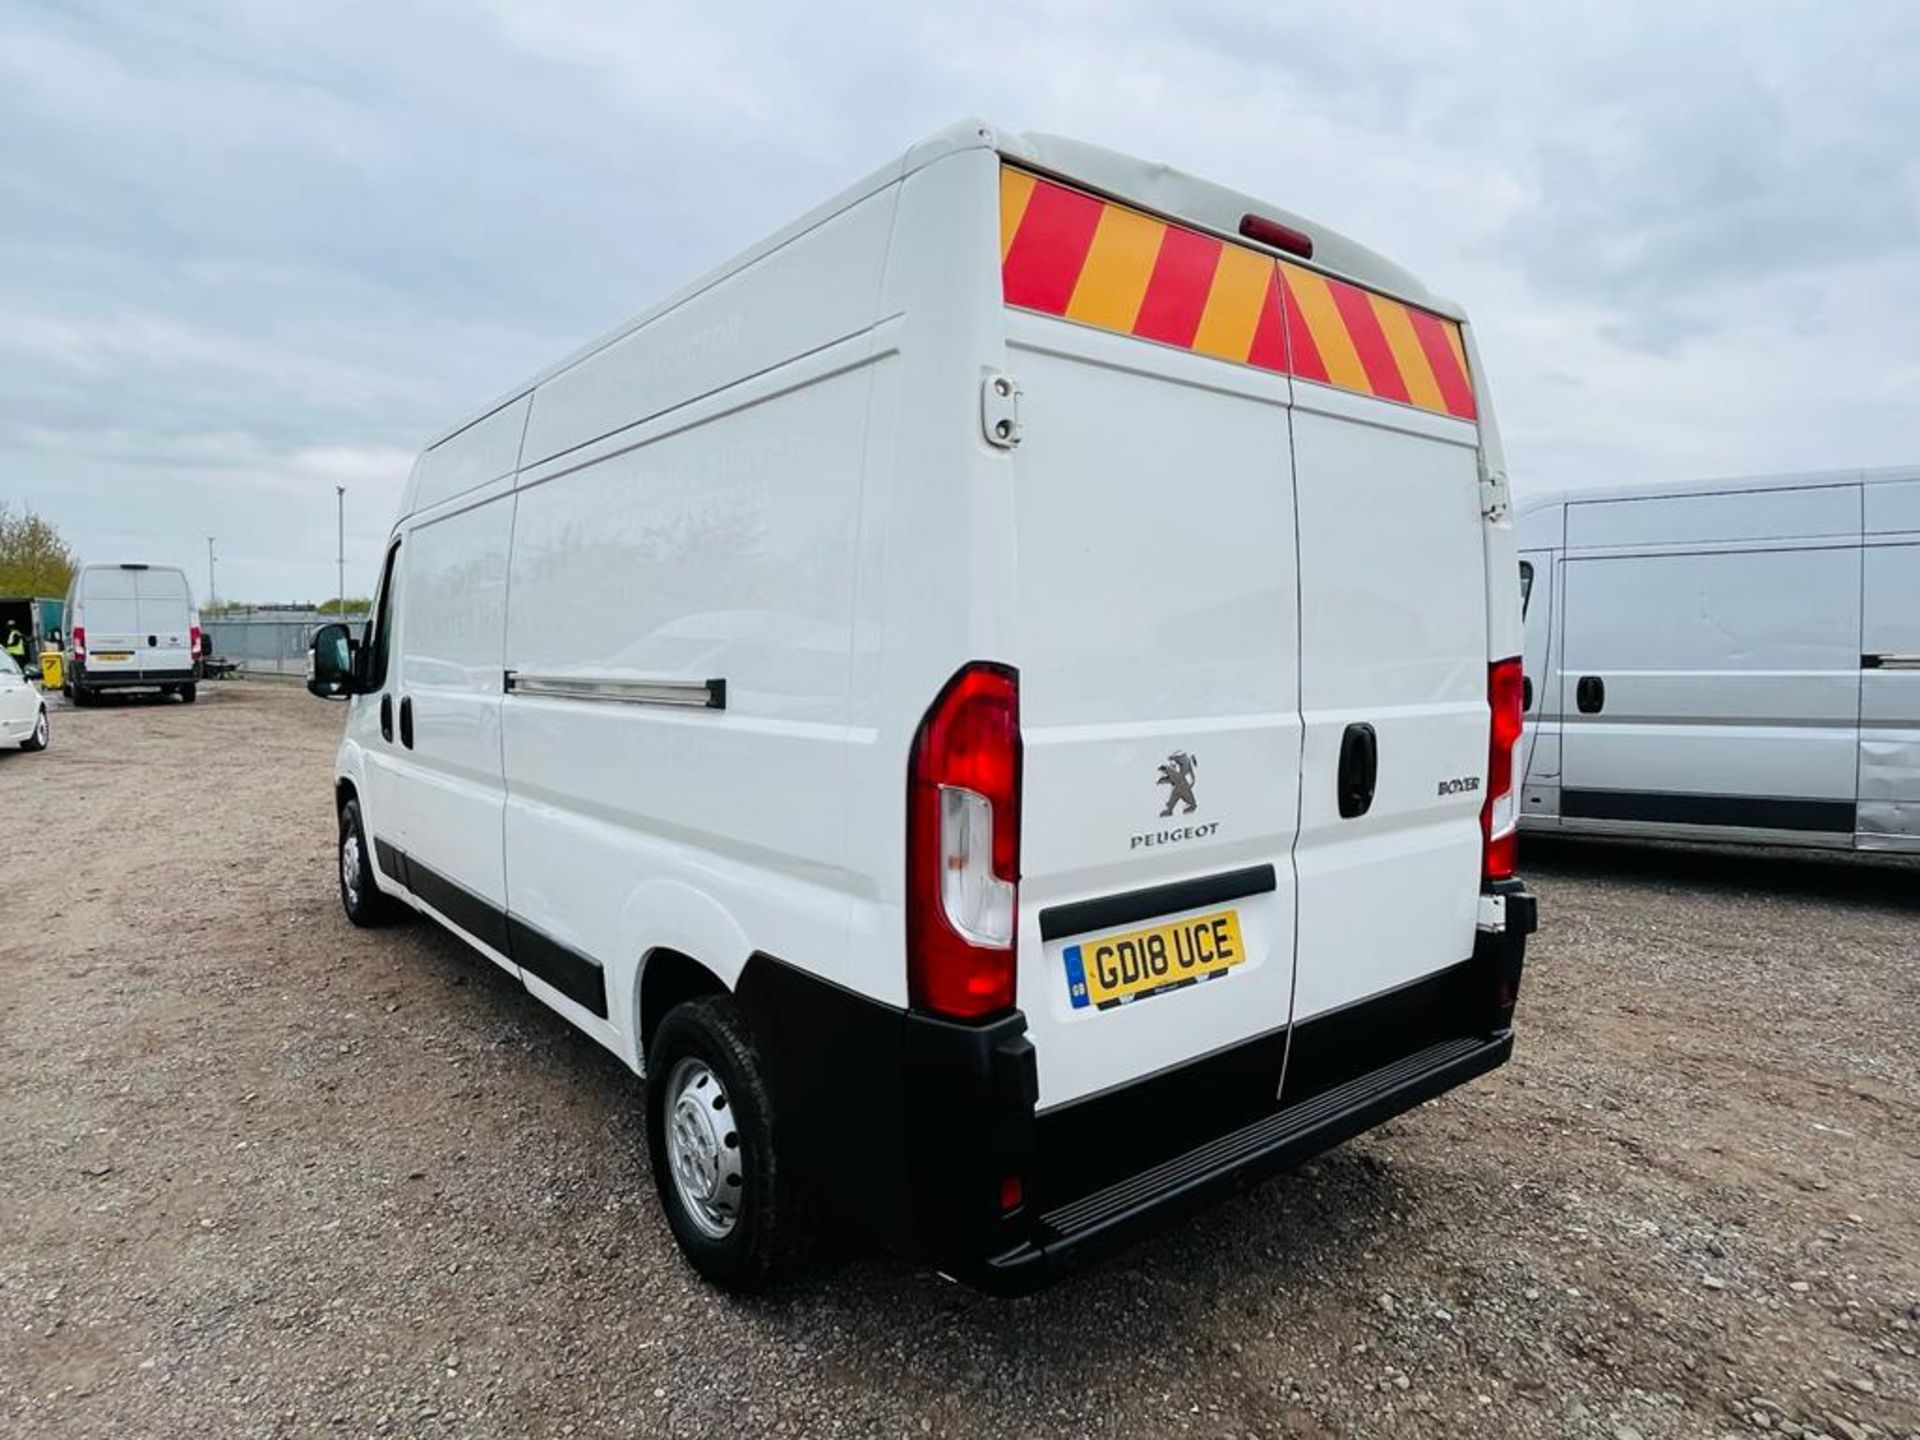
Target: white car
23,711
1000,702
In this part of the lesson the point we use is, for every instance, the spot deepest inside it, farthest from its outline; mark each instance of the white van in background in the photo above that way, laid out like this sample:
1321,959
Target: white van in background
130,627
1000,702
1727,659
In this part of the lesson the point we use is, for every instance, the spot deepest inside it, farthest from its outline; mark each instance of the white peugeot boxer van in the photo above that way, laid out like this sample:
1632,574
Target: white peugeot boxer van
1000,702
1727,660
130,627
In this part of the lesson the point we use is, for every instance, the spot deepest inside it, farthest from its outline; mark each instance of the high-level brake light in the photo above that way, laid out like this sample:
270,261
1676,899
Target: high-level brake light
1278,236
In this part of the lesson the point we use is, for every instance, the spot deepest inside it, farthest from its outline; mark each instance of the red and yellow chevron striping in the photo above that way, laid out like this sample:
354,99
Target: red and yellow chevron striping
1066,253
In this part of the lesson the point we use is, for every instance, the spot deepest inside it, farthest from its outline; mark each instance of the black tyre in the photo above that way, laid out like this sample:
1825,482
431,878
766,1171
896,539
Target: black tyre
710,1130
82,697
189,693
42,735
360,897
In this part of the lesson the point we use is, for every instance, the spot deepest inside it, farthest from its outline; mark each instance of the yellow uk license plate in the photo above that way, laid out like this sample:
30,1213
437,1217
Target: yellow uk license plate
113,655
1119,969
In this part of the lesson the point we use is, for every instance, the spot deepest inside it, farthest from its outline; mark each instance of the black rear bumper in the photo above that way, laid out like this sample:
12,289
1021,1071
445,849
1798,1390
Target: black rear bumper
1094,1225
82,678
924,1131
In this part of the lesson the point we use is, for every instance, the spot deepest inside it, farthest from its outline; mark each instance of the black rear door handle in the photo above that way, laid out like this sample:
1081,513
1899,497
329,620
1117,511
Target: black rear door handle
386,718
1590,694
406,722
1359,769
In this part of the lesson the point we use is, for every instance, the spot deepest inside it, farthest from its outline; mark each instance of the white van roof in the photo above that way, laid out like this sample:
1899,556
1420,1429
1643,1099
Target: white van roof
1150,185
1717,485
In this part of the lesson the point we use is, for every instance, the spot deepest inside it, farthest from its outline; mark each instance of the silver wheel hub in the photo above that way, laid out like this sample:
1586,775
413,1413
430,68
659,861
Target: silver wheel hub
703,1148
350,866
40,730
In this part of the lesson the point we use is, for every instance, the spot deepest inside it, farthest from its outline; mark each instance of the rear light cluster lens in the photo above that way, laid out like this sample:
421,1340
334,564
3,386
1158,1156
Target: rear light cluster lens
193,639
1500,816
963,846
80,642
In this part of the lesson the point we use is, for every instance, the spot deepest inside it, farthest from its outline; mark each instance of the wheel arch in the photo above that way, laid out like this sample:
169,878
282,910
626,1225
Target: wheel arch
689,944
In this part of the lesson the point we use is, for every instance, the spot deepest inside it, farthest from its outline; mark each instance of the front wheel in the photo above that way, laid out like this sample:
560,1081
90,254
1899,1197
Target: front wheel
729,1201
42,735
360,897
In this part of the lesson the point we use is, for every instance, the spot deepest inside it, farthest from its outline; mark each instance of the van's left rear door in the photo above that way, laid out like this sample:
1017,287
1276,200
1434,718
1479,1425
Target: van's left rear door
1158,650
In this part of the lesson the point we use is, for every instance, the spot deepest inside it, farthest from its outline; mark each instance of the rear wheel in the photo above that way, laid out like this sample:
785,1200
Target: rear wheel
360,897
42,734
728,1199
82,697
188,692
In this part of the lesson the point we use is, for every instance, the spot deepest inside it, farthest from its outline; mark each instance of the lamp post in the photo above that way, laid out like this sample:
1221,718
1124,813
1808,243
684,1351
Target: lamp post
211,593
340,592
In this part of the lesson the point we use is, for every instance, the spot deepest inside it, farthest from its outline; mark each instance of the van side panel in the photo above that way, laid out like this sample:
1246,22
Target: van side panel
1393,635
816,289
1712,661
716,542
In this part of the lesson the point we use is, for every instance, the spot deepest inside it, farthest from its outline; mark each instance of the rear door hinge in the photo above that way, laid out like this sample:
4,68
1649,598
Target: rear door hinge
1495,499
1000,410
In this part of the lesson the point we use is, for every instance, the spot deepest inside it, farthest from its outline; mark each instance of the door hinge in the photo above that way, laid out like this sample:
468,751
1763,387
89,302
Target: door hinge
1000,410
1495,500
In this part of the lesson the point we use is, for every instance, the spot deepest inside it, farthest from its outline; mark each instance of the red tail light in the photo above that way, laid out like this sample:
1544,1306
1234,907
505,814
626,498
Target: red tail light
1500,816
79,642
193,640
963,846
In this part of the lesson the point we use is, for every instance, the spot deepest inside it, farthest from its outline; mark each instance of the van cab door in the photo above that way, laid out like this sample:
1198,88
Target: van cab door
444,782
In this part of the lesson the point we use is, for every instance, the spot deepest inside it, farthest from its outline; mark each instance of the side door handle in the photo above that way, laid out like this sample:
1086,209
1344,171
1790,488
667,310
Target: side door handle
386,718
406,722
1359,769
1590,694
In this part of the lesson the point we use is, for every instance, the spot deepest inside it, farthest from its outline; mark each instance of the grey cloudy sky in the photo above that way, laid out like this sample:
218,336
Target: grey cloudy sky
252,250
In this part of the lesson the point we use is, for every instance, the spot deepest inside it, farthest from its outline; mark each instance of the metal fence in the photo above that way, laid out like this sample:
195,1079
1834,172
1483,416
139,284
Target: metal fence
268,644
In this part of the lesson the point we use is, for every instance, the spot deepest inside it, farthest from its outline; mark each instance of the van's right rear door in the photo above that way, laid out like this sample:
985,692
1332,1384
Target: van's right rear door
1394,595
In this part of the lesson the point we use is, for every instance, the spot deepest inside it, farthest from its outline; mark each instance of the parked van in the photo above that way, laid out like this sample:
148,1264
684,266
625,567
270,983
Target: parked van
1727,660
130,626
1000,702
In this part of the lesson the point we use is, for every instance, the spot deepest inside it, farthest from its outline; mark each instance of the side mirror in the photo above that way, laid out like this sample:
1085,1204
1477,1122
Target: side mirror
330,667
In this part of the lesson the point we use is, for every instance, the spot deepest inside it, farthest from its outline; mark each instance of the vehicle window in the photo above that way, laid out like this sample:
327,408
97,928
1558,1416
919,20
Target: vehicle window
1526,586
379,627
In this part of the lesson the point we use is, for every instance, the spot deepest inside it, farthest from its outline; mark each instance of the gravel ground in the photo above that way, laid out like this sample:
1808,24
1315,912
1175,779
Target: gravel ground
263,1174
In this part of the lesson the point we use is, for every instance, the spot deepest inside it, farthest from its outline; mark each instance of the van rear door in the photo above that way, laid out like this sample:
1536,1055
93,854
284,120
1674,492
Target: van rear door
1157,628
166,620
1394,665
110,607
